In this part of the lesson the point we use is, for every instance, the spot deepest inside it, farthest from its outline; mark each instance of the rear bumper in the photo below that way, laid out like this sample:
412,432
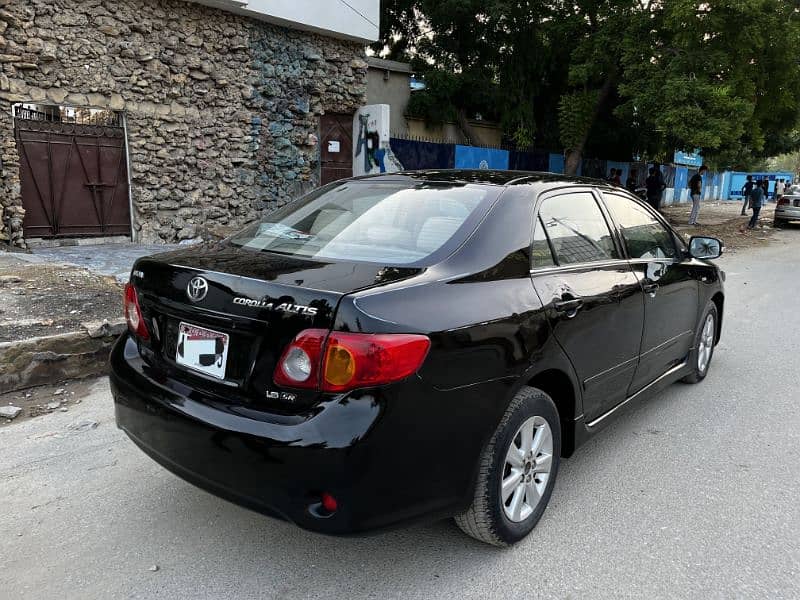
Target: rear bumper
376,462
788,213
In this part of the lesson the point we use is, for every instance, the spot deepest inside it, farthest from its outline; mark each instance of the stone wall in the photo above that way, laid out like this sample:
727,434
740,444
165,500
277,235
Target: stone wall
222,111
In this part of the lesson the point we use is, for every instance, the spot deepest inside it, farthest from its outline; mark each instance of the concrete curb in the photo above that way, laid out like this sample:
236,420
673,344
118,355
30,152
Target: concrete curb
43,360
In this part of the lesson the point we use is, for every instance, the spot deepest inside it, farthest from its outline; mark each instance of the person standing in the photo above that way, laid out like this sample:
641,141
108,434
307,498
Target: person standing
780,188
661,182
631,181
696,191
756,202
746,189
654,189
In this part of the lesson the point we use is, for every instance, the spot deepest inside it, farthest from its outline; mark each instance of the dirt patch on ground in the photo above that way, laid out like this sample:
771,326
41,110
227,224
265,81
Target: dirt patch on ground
724,221
45,399
47,299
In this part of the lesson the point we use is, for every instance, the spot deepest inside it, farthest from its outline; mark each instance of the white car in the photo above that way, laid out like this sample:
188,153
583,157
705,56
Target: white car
788,208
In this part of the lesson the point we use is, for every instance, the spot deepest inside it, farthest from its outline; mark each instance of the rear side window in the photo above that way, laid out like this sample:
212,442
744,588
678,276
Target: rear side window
542,256
386,223
577,229
644,236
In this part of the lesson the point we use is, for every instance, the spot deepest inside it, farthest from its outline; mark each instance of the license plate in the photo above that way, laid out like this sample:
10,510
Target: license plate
202,350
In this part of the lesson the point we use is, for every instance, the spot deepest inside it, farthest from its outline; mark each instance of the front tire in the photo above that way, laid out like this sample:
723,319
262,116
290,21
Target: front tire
705,342
517,471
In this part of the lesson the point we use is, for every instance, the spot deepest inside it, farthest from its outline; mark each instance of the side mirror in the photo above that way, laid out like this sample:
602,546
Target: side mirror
705,248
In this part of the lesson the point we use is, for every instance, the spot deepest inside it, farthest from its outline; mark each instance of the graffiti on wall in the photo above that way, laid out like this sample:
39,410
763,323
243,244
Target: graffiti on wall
371,150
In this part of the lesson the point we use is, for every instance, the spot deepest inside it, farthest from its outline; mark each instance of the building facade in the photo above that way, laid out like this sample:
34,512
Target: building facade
388,83
159,118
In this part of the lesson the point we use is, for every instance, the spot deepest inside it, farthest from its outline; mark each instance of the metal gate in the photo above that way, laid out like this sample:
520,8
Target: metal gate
336,147
74,176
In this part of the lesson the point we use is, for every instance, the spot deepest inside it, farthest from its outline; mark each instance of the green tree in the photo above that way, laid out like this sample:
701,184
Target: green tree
613,78
715,76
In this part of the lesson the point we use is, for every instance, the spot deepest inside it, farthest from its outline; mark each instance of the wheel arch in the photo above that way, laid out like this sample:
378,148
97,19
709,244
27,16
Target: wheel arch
719,301
561,387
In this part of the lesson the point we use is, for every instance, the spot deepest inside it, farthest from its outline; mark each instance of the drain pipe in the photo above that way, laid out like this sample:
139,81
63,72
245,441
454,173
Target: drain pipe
128,165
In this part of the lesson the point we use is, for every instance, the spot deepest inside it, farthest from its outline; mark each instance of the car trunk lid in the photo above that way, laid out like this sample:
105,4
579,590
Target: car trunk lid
260,301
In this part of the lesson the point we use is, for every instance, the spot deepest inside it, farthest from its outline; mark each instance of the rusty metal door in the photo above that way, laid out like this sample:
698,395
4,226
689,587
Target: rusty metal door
74,177
336,149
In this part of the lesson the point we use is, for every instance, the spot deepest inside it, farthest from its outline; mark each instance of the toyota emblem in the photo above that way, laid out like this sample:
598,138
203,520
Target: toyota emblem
197,289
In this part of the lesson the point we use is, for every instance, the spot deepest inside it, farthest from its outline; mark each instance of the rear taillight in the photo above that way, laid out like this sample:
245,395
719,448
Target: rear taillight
363,360
339,361
133,313
784,201
300,363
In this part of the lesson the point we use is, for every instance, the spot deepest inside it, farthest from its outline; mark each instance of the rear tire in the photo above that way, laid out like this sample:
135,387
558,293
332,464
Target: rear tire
778,223
514,485
704,344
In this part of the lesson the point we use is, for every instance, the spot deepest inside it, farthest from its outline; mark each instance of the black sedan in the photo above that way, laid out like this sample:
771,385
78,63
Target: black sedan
422,344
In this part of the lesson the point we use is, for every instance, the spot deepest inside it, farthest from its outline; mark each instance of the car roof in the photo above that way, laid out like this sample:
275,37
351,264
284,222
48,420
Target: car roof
486,176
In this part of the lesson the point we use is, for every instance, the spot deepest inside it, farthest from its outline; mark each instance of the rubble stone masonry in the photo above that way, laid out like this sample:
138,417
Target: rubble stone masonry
222,111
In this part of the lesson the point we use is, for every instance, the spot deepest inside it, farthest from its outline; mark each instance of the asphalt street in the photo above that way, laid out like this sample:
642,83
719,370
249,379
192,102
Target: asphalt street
693,495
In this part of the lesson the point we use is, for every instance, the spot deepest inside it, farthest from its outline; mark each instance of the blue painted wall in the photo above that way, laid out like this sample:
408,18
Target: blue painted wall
619,166
681,180
738,179
556,163
472,157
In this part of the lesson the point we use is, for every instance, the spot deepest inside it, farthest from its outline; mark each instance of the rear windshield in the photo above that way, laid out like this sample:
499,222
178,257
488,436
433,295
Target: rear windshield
387,223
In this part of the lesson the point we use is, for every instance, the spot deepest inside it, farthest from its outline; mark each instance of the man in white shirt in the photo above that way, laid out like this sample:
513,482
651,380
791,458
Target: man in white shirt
780,188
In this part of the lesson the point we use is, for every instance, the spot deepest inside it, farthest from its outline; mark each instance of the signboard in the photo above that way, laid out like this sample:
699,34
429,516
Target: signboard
334,146
690,159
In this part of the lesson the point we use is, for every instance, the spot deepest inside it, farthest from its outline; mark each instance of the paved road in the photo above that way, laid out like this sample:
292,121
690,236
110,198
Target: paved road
694,495
114,259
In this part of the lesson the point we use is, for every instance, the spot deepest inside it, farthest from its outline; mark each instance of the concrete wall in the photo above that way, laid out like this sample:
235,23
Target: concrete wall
388,83
222,110
355,20
490,134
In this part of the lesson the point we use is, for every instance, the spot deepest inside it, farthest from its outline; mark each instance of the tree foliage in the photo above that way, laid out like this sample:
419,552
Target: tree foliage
610,78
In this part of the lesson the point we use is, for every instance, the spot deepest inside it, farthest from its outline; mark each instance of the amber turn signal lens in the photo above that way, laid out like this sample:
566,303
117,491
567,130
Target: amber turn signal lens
340,366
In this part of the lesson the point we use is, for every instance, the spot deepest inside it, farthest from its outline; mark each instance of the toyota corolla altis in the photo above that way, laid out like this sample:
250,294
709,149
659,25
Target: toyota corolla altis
423,344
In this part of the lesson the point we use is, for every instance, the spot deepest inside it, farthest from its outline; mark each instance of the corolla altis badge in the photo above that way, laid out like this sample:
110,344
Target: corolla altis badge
197,289
286,307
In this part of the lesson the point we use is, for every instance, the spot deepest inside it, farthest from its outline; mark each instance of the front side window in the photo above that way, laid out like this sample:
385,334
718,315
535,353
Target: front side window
386,223
644,236
577,229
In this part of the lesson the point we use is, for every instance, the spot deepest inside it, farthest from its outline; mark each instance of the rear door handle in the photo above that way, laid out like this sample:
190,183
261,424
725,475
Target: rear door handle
650,288
569,307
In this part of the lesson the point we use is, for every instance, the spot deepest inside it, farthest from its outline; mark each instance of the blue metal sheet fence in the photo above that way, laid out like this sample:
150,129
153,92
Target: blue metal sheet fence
414,154
519,160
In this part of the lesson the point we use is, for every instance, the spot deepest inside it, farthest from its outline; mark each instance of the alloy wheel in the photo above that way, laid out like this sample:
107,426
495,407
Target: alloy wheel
706,346
527,468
